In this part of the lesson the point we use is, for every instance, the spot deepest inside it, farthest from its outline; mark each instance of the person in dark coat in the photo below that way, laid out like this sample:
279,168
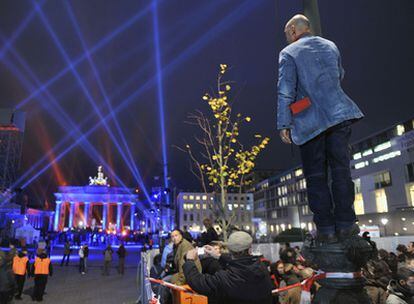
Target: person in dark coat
378,275
156,272
187,235
66,253
244,279
7,282
121,259
209,235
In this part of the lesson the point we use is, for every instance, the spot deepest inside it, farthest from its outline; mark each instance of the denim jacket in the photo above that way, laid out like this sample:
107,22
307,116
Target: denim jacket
311,67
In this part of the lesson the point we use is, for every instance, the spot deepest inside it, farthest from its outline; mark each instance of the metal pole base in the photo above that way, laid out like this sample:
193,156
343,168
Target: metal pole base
346,256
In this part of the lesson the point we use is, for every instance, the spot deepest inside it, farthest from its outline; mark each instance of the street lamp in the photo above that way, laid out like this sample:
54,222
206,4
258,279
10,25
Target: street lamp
384,221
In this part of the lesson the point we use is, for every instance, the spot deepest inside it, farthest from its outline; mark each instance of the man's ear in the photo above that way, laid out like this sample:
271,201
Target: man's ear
402,282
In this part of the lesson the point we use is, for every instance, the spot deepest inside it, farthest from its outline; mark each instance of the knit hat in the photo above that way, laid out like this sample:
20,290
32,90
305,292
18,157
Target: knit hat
239,241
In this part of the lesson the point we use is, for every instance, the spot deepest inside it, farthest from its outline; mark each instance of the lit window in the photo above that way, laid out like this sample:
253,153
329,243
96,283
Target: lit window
204,206
381,201
271,228
247,227
357,185
198,197
289,226
357,155
361,164
386,156
382,180
236,206
411,194
400,130
248,207
230,207
367,152
204,197
310,226
197,206
298,172
359,204
185,197
191,197
382,146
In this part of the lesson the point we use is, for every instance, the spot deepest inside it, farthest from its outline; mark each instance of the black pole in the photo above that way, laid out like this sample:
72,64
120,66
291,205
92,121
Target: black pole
311,10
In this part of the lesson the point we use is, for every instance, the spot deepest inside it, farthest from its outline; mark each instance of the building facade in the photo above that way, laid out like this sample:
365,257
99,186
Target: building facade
280,203
382,168
193,207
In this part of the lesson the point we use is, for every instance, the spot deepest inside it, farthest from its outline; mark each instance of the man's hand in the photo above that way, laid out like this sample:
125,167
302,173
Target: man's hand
192,254
285,136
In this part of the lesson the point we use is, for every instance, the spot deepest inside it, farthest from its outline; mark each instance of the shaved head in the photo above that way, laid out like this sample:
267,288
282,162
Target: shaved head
296,27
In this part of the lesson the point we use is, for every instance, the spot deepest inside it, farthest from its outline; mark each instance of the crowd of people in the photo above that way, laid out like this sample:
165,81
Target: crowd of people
230,273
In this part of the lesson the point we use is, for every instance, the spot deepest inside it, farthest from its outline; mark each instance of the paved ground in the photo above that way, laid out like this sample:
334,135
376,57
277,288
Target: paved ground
67,286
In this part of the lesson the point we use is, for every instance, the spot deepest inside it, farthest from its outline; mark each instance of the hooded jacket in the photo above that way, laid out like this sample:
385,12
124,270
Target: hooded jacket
398,294
243,281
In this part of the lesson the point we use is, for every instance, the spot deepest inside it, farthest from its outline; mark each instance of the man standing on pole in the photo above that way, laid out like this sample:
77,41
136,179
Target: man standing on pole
315,114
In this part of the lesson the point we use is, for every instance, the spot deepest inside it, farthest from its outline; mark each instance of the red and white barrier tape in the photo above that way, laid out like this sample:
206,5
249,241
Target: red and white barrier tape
307,283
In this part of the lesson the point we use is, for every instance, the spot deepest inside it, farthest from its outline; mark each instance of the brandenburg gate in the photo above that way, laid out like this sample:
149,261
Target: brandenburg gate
95,205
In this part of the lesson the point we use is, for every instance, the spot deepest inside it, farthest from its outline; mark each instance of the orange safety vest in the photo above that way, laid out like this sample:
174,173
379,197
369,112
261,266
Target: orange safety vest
41,266
19,265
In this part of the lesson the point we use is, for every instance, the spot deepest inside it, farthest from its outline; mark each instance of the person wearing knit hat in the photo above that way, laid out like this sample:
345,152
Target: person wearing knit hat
244,278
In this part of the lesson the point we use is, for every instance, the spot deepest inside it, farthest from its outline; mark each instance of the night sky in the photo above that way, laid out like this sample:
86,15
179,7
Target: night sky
375,38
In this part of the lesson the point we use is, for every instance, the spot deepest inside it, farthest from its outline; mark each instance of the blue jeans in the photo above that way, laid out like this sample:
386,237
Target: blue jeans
332,204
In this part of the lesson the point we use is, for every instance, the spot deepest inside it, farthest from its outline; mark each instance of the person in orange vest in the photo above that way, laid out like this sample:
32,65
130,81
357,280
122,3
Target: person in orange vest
41,269
21,268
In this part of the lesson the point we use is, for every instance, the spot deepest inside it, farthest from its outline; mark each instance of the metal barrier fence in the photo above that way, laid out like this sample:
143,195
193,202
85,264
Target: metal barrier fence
145,293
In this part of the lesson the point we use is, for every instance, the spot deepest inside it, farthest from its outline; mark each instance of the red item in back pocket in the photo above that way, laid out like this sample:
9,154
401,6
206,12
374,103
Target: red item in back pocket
300,105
